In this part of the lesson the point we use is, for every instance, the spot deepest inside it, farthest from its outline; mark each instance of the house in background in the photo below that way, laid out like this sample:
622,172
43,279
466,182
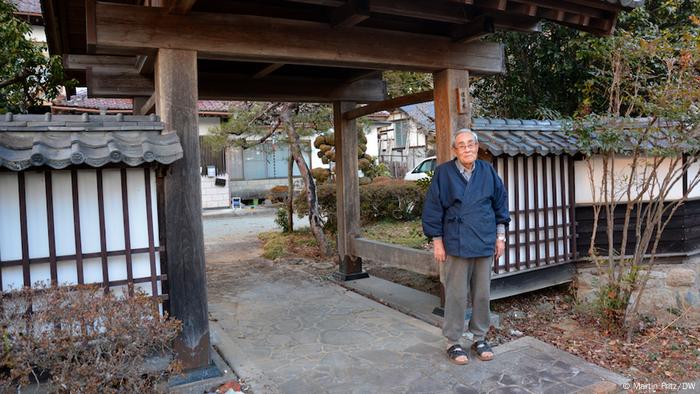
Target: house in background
404,137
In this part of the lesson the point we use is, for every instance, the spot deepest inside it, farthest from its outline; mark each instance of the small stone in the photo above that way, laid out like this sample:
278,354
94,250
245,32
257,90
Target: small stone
545,307
603,387
515,333
680,277
518,314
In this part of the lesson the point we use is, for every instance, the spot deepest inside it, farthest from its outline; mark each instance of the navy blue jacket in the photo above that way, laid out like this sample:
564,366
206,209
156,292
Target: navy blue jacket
465,213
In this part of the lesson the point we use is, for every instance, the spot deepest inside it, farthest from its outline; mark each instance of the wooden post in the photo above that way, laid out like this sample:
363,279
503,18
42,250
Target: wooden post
449,115
176,103
347,192
452,112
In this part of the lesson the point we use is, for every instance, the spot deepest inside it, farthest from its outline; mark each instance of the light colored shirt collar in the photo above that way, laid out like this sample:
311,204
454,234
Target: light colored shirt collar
466,173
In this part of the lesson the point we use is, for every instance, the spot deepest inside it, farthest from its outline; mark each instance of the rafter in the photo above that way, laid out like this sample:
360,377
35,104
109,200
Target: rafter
267,70
350,14
180,7
474,31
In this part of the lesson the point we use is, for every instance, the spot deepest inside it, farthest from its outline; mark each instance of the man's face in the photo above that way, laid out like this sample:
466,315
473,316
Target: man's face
466,149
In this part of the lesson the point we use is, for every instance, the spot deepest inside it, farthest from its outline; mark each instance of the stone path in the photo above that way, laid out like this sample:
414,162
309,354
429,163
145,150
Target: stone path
284,331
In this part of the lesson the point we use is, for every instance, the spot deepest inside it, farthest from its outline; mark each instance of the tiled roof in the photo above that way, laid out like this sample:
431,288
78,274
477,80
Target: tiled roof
627,3
79,101
27,6
59,141
523,137
506,136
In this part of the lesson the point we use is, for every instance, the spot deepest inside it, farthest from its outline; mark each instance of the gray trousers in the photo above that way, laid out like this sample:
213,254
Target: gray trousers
467,278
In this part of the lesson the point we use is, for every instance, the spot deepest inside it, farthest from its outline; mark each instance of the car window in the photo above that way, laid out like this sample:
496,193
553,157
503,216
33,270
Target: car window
432,164
424,167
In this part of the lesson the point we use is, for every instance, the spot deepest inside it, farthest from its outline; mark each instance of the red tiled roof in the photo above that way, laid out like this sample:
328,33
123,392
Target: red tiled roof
78,102
27,6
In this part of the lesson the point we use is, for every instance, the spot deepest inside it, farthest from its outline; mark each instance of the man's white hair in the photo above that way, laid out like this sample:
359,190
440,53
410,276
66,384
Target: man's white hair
463,131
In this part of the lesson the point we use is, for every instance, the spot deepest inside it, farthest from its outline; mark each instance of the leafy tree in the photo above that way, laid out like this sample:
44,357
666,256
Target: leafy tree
28,76
401,83
658,77
557,72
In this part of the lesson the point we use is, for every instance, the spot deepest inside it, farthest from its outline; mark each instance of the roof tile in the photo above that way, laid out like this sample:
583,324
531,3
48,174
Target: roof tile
29,140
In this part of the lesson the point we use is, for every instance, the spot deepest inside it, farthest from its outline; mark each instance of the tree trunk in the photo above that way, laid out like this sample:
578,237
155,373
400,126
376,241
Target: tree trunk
315,221
290,192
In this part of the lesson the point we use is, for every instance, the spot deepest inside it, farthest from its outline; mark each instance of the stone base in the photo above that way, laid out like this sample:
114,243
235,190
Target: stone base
343,277
671,289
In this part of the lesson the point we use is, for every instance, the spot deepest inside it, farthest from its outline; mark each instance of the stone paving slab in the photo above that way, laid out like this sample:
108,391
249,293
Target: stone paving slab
285,332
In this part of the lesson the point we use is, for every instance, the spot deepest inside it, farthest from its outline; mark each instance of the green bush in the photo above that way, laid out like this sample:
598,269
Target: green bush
282,219
388,200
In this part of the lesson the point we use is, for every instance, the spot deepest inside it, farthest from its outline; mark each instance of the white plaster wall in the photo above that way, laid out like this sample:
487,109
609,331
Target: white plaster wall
207,122
623,169
37,225
38,34
372,141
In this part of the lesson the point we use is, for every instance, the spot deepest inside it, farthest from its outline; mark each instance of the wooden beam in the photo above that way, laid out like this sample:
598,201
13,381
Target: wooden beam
415,98
107,83
281,88
558,5
137,104
477,29
180,7
434,10
126,28
145,63
347,192
349,14
120,83
83,62
267,70
144,105
448,118
176,103
414,260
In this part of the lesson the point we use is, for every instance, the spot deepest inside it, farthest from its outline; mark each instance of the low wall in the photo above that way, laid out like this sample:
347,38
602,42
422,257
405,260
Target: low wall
259,188
672,288
214,196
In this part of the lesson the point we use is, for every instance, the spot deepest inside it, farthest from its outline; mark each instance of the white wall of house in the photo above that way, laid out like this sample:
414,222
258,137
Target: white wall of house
38,34
584,192
205,123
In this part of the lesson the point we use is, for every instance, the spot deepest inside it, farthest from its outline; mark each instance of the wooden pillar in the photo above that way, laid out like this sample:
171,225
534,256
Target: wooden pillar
452,109
347,192
176,103
452,112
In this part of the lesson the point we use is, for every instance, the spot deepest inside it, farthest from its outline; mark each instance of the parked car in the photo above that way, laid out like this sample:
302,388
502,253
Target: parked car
420,171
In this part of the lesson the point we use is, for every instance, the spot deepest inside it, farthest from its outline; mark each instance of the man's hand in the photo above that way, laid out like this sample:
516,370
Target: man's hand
439,251
500,248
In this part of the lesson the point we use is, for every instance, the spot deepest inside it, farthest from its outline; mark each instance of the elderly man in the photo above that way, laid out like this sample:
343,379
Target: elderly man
465,212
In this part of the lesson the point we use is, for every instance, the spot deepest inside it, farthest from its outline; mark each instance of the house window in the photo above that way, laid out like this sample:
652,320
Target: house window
269,160
400,134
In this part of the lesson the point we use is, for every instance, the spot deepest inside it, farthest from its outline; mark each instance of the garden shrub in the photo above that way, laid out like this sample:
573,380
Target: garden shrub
282,219
385,200
84,340
278,194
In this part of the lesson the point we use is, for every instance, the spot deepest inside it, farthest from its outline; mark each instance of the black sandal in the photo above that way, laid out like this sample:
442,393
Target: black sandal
481,347
455,351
